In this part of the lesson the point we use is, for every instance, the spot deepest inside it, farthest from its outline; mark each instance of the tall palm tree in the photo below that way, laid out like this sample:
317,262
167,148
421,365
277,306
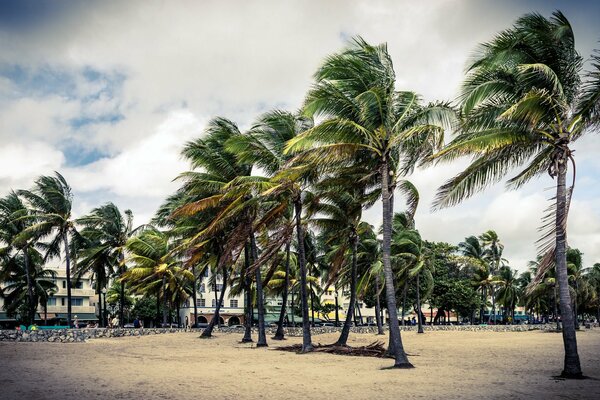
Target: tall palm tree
154,268
525,102
264,147
366,119
13,221
508,291
100,247
474,255
50,201
20,284
336,208
493,255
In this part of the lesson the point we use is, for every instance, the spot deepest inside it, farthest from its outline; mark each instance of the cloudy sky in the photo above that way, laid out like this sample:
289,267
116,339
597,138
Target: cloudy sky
107,92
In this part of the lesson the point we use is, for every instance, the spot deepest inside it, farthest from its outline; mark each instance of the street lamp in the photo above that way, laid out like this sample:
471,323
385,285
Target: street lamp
104,320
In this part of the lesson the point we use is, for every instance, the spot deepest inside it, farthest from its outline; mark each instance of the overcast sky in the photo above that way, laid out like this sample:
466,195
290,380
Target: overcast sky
107,92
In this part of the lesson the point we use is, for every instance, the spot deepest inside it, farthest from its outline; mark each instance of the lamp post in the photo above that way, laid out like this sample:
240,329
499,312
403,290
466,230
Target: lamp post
104,321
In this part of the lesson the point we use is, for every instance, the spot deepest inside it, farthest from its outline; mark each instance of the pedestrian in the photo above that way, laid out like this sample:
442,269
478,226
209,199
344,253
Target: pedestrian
136,323
76,323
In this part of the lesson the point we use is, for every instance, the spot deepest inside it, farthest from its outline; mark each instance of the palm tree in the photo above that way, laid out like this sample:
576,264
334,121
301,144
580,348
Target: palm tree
336,208
100,247
576,273
366,119
13,221
524,101
21,284
264,146
154,269
493,255
410,258
50,202
474,255
508,291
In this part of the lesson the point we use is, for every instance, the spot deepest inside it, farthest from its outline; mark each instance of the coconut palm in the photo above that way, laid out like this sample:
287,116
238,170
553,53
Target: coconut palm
50,201
264,146
14,219
100,247
474,256
25,279
335,207
154,269
508,291
525,101
366,119
409,256
493,255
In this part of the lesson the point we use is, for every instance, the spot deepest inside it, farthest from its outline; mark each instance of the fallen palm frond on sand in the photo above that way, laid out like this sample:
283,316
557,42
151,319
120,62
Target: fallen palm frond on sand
375,349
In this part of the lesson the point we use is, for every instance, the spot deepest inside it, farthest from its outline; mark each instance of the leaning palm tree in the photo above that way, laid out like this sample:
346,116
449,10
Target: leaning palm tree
264,146
100,246
366,120
336,208
525,101
50,201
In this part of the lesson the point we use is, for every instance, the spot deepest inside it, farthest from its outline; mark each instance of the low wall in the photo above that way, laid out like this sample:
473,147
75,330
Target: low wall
81,335
77,335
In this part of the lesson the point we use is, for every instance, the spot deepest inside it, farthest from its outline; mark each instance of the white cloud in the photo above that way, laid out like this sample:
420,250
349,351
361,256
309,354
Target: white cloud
146,168
20,164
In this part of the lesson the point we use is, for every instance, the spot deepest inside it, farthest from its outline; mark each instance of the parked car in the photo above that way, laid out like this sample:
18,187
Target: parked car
328,324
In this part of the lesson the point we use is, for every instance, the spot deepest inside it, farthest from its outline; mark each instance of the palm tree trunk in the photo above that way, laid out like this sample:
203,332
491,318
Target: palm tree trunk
378,307
312,304
68,273
493,305
194,293
164,293
395,345
419,314
248,289
337,309
100,319
122,299
280,335
575,305
555,301
307,345
343,339
260,301
404,301
31,304
215,319
572,366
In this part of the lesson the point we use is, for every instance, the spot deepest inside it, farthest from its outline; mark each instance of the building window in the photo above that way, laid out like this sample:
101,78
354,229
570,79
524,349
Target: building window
76,301
62,301
219,287
233,303
78,285
202,302
64,284
51,301
202,288
206,272
214,303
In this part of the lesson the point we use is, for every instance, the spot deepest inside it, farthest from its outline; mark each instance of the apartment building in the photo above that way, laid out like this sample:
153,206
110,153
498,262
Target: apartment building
83,301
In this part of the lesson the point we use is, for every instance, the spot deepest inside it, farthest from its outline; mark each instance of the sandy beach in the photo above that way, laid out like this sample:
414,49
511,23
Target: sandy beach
466,365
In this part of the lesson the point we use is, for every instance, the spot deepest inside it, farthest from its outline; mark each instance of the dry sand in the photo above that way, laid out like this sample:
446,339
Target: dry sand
475,365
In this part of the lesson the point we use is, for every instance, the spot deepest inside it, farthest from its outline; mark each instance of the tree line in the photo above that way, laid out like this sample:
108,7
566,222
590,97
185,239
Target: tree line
252,201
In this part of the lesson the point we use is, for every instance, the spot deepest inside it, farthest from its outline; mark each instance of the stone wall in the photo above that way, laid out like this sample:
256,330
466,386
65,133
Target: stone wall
77,335
81,335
